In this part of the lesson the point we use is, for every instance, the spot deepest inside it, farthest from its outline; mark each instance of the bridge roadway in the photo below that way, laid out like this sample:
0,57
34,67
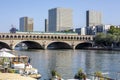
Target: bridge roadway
43,41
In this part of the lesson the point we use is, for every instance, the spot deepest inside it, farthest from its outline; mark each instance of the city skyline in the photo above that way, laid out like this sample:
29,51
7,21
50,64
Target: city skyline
12,10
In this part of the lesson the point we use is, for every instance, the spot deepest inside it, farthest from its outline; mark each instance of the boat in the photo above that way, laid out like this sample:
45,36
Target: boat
22,66
18,62
36,76
32,72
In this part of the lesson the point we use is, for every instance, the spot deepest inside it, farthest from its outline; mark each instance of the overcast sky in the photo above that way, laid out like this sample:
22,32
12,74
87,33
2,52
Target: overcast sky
12,10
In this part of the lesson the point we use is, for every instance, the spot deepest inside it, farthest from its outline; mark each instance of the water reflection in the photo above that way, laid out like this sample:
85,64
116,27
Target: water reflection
68,62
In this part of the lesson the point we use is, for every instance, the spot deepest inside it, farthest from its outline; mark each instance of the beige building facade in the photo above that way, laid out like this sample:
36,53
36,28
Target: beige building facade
60,19
26,24
93,18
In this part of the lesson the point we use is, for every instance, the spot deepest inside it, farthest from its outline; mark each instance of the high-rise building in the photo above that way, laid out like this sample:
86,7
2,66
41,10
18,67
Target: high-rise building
26,24
93,18
60,19
46,25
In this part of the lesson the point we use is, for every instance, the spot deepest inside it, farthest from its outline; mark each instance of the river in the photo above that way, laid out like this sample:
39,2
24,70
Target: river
68,62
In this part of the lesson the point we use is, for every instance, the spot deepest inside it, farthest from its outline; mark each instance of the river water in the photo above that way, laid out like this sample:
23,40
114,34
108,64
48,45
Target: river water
68,62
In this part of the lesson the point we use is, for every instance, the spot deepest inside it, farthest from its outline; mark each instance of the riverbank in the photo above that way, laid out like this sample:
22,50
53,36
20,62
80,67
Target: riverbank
113,49
13,76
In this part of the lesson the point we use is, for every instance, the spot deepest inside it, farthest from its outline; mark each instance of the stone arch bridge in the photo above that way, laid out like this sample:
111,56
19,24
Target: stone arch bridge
43,41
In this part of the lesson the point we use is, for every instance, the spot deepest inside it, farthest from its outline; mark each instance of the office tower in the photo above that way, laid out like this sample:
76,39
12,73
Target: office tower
46,25
93,18
60,19
26,24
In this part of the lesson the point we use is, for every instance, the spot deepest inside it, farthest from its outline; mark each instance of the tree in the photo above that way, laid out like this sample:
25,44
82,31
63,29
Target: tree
116,34
111,30
110,39
100,39
107,40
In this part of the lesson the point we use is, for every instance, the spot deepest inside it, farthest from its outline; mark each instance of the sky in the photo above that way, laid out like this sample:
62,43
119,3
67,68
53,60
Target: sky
12,10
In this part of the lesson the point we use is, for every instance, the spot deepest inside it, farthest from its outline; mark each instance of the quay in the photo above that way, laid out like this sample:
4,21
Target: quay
13,76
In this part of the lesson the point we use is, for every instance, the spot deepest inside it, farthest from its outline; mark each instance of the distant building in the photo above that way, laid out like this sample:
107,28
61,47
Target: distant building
48,33
102,28
93,30
60,19
118,26
81,31
13,30
46,25
93,18
26,24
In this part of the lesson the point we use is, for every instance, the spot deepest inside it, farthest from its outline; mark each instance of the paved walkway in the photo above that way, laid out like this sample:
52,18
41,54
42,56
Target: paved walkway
13,76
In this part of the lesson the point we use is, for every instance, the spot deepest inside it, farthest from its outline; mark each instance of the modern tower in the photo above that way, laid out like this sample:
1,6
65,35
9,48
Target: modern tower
46,25
93,18
60,19
26,24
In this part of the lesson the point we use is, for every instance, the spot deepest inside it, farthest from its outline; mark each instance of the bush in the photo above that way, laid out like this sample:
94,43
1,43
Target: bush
80,75
11,71
99,75
54,73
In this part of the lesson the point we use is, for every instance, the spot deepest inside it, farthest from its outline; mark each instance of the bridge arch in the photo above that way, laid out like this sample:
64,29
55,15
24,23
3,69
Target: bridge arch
83,45
4,45
29,44
58,45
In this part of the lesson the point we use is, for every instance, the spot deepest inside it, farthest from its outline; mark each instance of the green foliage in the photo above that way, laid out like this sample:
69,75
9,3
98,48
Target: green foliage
99,74
80,75
54,73
100,39
80,71
11,71
114,30
1,61
113,36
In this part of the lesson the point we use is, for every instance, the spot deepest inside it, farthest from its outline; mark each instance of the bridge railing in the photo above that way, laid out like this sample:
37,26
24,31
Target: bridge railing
8,36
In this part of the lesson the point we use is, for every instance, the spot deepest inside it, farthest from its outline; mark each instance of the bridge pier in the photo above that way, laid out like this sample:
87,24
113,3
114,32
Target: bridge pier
44,47
11,47
73,47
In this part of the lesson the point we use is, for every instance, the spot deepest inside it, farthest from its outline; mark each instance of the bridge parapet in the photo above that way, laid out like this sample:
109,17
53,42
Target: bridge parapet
9,36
